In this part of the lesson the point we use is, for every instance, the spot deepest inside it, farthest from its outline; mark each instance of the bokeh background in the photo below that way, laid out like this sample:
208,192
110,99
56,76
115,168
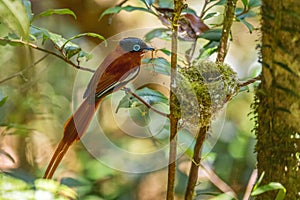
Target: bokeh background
41,98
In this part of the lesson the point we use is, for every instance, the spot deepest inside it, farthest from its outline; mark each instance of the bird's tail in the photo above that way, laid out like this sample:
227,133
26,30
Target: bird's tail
74,128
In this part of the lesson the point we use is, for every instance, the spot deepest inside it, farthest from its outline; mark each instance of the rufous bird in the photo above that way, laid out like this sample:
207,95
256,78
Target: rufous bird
121,66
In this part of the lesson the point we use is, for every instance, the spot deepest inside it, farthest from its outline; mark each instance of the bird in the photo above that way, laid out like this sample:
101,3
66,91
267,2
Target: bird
118,68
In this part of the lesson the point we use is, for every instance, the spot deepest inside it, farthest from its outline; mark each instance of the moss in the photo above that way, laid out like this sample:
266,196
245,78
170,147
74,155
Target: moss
204,88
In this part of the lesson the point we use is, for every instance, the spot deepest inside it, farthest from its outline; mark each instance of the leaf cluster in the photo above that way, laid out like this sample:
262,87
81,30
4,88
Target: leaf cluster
247,11
18,17
192,25
258,189
14,188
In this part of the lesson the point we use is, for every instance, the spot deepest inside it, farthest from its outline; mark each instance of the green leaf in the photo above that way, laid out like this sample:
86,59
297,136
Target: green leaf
55,188
59,41
13,14
70,49
270,187
248,25
166,51
97,171
150,96
38,33
64,11
210,15
245,3
95,35
148,3
84,56
66,192
212,34
2,100
205,53
78,181
117,9
254,3
224,196
221,2
14,188
19,128
46,184
166,4
27,5
162,33
140,115
190,11
8,183
238,12
159,65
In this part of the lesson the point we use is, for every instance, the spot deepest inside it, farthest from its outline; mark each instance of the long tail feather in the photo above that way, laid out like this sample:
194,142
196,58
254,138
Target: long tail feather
59,153
75,127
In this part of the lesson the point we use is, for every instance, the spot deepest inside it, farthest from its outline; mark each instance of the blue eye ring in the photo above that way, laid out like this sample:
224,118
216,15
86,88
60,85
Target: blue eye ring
136,47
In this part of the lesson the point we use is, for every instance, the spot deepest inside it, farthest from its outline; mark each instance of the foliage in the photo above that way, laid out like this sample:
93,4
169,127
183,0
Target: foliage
14,15
257,189
27,31
13,188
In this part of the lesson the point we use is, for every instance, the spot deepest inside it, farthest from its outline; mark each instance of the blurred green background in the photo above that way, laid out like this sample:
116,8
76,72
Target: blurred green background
40,100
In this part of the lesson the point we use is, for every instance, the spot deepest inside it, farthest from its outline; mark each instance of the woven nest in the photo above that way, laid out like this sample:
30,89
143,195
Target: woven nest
202,90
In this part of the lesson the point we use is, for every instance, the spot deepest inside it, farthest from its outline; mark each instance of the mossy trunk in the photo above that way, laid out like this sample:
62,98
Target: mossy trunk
278,97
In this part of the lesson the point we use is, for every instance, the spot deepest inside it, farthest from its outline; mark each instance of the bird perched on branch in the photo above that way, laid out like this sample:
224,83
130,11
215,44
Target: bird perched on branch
121,66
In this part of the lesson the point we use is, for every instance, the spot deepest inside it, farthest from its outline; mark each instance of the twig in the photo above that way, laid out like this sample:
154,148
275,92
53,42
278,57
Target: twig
128,90
122,2
228,19
203,9
20,73
48,52
191,52
193,175
217,181
248,82
250,185
178,7
210,7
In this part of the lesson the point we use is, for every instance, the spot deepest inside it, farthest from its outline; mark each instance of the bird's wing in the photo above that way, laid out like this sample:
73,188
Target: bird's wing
112,75
117,83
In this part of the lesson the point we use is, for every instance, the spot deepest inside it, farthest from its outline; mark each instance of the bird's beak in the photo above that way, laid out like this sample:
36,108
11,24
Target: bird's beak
148,49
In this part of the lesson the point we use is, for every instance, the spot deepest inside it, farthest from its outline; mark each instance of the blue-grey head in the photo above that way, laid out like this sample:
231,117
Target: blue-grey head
133,44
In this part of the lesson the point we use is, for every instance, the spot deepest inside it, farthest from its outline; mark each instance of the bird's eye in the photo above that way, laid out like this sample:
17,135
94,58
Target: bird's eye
136,47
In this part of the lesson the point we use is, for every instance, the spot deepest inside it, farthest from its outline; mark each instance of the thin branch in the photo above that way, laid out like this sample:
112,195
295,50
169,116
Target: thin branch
21,73
128,90
228,19
203,9
191,52
250,185
208,8
46,51
178,7
193,175
250,81
217,181
121,3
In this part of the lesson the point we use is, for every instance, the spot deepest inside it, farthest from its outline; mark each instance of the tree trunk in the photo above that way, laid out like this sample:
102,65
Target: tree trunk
278,97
